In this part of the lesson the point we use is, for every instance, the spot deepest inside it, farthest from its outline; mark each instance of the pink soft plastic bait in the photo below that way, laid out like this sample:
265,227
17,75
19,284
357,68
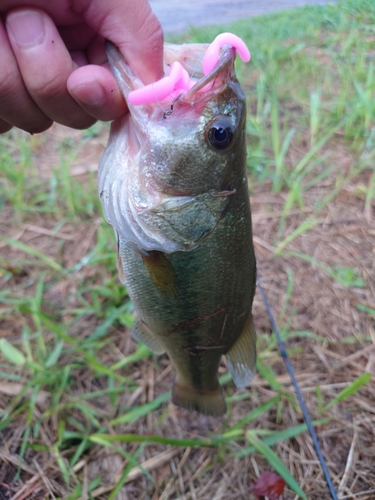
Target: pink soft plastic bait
179,80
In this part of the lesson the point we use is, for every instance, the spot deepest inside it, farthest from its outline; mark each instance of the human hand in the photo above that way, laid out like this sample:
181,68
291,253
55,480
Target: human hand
53,65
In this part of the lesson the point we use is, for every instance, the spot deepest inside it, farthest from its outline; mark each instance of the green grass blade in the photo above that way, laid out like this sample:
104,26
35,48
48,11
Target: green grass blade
308,224
278,436
267,373
103,439
61,463
297,170
256,413
94,363
55,354
36,253
346,276
366,309
132,463
83,445
141,411
11,353
141,353
102,329
349,391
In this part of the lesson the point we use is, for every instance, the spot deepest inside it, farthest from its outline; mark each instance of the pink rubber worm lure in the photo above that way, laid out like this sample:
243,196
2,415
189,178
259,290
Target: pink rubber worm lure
179,80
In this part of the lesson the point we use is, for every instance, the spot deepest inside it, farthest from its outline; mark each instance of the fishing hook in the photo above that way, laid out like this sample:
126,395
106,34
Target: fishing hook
170,111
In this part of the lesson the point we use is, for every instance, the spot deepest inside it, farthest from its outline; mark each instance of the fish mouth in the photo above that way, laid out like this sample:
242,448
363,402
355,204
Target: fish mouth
190,57
224,68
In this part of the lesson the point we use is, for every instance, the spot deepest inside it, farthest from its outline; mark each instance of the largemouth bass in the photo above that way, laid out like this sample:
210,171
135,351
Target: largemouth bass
172,182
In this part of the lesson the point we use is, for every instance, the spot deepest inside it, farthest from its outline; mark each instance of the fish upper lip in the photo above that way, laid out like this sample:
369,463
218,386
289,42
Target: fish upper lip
223,64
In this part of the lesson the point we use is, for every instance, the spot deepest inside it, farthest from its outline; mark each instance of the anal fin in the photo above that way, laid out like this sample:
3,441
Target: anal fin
142,333
241,357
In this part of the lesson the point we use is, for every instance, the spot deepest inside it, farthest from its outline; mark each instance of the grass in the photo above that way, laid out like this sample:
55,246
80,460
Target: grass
85,412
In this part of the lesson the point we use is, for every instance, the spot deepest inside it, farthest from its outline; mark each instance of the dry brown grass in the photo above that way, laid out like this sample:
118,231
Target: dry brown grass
344,236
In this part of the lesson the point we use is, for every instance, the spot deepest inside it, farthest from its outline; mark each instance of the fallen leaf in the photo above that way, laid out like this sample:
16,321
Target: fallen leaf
268,484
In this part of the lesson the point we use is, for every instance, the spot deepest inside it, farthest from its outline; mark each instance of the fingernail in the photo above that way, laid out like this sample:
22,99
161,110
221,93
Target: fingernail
90,95
26,28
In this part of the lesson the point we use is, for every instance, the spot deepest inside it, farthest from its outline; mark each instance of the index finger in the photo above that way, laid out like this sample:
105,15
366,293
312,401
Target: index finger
133,28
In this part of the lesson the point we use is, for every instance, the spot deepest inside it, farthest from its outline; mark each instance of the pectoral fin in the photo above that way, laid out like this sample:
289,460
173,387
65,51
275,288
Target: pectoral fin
161,272
241,357
142,333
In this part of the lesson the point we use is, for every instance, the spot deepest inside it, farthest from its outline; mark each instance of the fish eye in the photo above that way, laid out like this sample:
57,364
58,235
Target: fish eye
220,133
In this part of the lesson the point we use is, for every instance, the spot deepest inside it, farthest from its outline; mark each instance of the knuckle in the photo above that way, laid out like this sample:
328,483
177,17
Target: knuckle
16,108
46,88
7,87
4,127
156,38
54,100
151,29
37,128
83,123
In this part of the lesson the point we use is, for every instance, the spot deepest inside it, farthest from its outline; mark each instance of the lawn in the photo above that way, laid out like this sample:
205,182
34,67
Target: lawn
85,412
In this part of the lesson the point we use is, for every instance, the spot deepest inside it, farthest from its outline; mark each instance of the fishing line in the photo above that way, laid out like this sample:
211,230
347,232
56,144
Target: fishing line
301,401
167,112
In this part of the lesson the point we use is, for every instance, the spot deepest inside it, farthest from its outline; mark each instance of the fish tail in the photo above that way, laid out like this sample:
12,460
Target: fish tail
207,402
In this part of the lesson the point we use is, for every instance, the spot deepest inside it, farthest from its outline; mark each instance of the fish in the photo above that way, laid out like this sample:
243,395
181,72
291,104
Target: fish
172,182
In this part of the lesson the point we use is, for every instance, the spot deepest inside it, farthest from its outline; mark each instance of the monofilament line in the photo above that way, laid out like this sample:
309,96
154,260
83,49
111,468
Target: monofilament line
298,392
